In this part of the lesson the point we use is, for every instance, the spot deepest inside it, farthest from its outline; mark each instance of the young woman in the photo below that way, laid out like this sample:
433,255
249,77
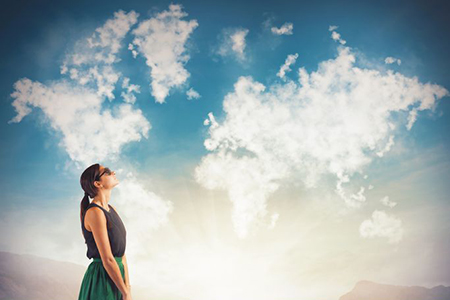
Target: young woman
106,277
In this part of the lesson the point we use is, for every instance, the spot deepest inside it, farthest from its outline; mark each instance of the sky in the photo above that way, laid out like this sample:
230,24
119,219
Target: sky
265,149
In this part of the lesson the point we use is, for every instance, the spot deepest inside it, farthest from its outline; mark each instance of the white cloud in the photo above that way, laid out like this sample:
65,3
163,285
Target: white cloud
382,225
286,67
232,42
332,121
144,209
390,60
129,89
111,34
133,51
91,61
388,146
161,40
353,200
88,133
73,107
192,94
286,29
332,28
412,117
211,121
336,36
387,202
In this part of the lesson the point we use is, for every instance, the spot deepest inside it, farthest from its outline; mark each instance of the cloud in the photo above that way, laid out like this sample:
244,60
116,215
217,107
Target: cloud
232,42
390,60
353,200
73,106
382,225
192,94
332,28
387,202
129,89
286,29
333,121
336,36
266,38
162,41
88,132
286,67
133,51
91,61
145,211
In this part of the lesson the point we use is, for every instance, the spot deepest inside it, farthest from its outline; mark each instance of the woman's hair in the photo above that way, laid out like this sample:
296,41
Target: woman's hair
87,184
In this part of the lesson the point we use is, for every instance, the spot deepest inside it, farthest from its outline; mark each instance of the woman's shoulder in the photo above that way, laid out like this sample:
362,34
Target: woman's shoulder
94,212
94,216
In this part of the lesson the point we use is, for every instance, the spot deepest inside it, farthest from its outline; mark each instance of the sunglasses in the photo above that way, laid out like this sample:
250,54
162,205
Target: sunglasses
105,171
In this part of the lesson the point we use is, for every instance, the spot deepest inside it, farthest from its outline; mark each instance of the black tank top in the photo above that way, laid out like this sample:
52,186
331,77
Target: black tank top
116,234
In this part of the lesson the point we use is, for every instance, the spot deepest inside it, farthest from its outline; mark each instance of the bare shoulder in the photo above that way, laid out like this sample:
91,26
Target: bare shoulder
94,212
94,216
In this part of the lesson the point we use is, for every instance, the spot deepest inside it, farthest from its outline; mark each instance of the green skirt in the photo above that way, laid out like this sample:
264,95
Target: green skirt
97,285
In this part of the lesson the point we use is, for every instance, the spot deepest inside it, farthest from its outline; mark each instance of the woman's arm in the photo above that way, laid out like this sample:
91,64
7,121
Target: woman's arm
97,222
125,265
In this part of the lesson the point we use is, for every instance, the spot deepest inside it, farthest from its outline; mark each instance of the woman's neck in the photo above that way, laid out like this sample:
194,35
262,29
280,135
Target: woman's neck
102,199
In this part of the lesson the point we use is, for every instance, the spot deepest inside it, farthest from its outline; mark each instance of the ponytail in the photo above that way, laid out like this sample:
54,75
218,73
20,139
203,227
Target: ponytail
84,204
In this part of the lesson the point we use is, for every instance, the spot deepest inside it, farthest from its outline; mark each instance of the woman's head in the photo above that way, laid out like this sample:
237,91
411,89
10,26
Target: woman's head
94,180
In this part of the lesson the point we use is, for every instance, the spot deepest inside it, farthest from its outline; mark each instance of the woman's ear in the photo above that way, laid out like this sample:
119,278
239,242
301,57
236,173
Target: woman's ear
97,184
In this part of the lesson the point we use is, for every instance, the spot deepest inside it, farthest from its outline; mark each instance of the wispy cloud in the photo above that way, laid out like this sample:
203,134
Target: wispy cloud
332,27
382,225
385,200
91,62
162,41
286,29
286,67
88,132
390,60
232,42
129,90
192,94
73,106
145,210
335,120
335,35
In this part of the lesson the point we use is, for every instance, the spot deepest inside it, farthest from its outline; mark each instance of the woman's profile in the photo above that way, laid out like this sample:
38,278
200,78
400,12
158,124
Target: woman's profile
106,277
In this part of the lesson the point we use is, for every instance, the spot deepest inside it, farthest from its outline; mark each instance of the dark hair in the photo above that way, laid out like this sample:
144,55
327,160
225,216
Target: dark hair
87,184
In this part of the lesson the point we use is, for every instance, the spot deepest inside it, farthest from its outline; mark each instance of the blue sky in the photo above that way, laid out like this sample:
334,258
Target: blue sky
39,33
172,165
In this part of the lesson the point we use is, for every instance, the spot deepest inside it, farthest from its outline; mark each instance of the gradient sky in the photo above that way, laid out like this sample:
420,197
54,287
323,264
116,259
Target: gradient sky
239,178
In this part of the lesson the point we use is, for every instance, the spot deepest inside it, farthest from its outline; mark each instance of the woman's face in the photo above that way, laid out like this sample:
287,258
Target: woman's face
108,181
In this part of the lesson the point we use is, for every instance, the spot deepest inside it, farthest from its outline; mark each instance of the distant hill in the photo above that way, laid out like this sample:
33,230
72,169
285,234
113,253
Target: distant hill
29,277
366,290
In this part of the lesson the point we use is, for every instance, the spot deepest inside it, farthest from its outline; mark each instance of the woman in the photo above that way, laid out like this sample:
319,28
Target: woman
106,277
